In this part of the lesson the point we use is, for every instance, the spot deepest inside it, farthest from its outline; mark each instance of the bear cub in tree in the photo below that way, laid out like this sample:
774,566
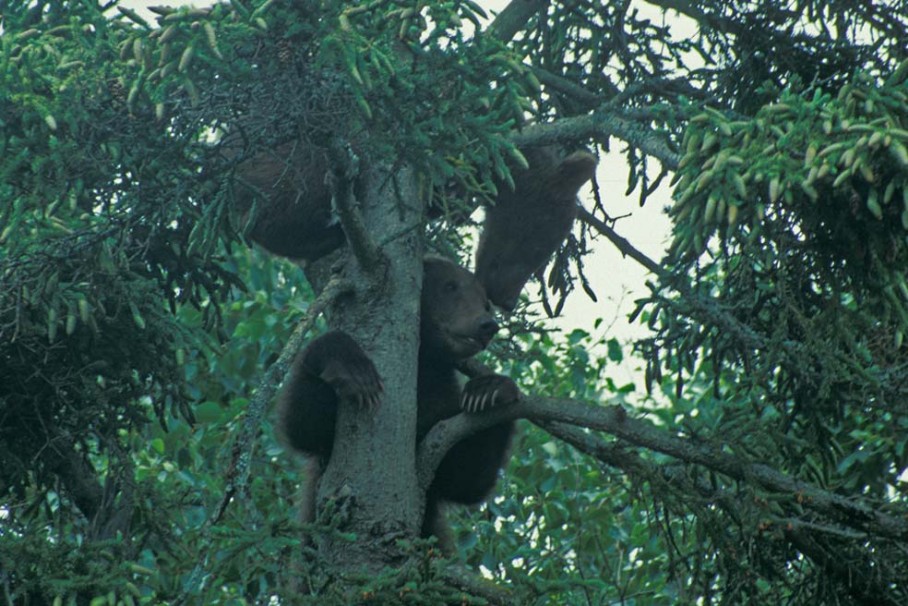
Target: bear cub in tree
456,323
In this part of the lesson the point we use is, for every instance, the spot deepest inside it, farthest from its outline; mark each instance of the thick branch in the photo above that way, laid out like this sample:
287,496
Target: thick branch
514,18
599,124
614,420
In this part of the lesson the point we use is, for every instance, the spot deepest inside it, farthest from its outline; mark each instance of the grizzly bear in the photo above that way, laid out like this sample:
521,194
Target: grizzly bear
456,323
527,224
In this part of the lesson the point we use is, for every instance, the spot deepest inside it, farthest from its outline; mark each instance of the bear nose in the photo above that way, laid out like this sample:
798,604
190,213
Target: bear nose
488,328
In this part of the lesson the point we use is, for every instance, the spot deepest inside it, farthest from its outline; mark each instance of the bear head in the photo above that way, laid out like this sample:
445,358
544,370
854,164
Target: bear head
456,315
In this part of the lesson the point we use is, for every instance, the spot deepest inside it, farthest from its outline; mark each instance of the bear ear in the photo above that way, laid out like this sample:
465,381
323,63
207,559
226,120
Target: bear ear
575,170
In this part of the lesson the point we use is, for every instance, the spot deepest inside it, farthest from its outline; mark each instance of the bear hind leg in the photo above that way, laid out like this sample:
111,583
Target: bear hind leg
469,471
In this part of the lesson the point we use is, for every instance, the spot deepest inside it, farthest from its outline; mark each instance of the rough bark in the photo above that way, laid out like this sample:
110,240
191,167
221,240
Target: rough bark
382,315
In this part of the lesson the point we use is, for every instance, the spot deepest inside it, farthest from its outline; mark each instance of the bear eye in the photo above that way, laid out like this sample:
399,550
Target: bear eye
451,286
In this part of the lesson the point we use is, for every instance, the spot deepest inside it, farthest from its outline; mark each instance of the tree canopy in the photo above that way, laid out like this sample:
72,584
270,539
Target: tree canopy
760,457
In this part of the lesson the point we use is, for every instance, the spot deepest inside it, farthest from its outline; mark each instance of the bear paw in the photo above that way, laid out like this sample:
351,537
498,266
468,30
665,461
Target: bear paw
488,391
339,361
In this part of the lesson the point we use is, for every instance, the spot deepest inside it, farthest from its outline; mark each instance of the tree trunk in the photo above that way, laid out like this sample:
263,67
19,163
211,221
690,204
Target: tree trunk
371,474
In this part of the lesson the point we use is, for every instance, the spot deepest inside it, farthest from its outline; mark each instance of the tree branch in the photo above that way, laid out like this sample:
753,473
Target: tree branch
343,201
685,8
613,454
812,539
599,124
570,88
267,388
867,583
622,244
699,303
76,474
615,421
615,97
475,585
514,18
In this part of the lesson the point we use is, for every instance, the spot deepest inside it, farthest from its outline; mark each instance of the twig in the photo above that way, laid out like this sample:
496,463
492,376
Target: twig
343,200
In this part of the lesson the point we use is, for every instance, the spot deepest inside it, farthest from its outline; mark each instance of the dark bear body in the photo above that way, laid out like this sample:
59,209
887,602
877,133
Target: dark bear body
527,224
293,216
456,324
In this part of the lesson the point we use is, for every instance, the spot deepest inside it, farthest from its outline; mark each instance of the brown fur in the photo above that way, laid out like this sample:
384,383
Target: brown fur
456,323
527,224
293,204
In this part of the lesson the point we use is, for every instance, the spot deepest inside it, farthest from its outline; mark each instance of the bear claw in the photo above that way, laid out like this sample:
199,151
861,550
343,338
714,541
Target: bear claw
488,391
